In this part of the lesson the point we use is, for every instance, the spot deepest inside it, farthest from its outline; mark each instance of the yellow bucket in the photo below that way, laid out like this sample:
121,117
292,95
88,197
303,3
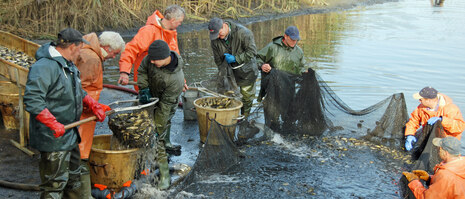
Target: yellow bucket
111,167
9,101
225,117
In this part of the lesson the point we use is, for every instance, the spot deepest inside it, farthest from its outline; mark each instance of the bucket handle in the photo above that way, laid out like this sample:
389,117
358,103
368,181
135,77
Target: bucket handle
93,165
240,117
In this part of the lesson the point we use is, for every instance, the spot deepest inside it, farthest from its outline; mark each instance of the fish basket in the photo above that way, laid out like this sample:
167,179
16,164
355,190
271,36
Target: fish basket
225,116
133,128
9,106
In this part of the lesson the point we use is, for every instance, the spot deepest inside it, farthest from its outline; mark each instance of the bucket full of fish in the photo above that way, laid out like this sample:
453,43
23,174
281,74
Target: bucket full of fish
222,109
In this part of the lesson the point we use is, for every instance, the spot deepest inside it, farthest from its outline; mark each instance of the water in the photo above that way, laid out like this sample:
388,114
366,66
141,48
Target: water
365,54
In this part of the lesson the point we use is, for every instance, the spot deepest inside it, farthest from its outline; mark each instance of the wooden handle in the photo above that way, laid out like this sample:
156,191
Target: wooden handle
74,124
132,83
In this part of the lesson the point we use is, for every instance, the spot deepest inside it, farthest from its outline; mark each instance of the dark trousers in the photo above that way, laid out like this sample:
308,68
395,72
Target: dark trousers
60,174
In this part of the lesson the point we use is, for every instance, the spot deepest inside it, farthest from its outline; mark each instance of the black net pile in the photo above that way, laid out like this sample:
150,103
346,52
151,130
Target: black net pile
133,128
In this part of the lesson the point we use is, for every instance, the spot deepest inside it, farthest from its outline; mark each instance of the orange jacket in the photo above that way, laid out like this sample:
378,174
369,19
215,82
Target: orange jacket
452,119
90,64
447,182
138,47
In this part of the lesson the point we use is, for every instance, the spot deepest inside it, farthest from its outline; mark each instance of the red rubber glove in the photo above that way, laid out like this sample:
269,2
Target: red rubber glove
95,107
105,107
51,122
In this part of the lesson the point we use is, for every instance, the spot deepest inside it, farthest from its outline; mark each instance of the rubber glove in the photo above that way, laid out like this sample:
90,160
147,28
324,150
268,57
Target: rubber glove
51,122
95,107
105,107
408,142
229,58
410,176
422,174
433,120
144,96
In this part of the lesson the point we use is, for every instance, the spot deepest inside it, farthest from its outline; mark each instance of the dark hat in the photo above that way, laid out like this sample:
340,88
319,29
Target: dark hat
70,35
158,50
427,92
214,27
450,144
292,32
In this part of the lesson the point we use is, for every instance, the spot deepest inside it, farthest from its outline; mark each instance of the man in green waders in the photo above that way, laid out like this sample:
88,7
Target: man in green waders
54,97
234,52
161,76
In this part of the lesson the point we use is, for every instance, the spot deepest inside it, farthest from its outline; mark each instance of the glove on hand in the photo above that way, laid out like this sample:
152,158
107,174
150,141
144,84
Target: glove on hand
144,96
421,174
229,58
51,122
105,107
95,107
433,120
408,142
410,176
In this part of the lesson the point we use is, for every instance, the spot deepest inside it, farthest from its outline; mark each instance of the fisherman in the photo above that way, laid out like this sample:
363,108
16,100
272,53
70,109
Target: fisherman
90,64
158,26
433,107
161,76
234,48
54,97
284,55
448,180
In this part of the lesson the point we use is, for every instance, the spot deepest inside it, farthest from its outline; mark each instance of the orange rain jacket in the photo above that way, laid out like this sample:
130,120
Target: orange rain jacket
452,119
138,47
90,64
448,181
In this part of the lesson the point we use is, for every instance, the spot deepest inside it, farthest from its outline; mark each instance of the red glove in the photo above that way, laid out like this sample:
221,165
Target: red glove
95,107
51,122
105,107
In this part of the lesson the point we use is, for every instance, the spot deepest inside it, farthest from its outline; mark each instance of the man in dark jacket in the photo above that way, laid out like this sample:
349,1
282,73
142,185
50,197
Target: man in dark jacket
161,76
234,52
54,97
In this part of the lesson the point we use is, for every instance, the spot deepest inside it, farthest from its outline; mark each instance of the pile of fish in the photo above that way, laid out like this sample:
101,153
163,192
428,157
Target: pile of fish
135,130
16,57
216,102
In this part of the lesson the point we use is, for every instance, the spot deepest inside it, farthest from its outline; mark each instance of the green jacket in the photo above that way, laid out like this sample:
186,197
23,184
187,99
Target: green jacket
164,84
282,57
53,83
241,44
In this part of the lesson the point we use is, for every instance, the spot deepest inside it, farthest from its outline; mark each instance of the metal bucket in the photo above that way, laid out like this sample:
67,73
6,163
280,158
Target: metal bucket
111,167
188,99
226,117
9,100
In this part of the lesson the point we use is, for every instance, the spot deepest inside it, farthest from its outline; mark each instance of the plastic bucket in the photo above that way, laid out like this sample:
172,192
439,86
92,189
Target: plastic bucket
111,167
9,100
188,99
225,117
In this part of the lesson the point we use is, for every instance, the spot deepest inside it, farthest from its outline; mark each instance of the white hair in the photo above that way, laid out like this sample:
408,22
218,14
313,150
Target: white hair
174,12
112,39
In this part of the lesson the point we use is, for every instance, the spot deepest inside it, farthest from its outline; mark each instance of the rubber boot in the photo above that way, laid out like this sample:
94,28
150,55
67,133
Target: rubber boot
162,160
170,148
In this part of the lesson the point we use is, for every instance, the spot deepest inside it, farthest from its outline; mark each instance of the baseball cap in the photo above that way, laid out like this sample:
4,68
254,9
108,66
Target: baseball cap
450,144
70,35
292,32
427,92
214,27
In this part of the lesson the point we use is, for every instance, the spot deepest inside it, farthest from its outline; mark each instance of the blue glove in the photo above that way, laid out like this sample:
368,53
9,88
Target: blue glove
229,58
408,142
433,120
144,96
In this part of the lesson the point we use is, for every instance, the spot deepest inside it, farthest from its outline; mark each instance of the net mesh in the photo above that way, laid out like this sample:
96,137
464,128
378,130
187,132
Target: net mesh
296,106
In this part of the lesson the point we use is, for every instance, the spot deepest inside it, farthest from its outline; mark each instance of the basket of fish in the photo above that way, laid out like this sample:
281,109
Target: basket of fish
133,126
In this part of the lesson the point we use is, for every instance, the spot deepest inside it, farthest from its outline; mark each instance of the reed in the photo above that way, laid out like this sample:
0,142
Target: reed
44,18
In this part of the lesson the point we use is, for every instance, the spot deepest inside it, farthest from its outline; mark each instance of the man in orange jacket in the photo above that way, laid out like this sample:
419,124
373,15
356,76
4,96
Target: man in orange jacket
158,26
90,64
434,107
448,180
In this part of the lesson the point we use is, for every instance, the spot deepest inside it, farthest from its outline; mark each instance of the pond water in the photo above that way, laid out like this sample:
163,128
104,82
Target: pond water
365,54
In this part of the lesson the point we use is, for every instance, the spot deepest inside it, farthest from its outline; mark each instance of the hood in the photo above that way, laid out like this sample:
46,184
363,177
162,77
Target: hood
444,99
94,44
48,51
154,18
279,41
457,167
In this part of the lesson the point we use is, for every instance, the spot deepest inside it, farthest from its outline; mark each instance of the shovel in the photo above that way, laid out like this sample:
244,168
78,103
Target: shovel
116,110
